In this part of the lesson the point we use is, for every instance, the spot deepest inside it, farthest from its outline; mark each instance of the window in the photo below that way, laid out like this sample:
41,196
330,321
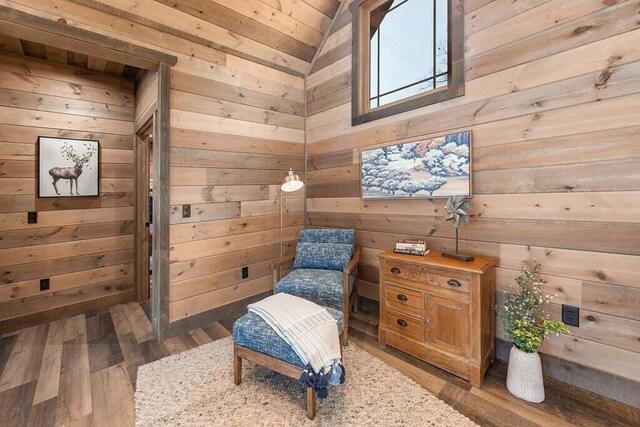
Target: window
408,54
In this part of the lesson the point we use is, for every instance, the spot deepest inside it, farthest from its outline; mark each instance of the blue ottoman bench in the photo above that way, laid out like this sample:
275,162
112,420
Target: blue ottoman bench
256,341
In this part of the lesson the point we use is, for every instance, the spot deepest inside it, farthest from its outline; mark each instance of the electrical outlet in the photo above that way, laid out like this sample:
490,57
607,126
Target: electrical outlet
245,272
571,315
186,211
32,217
44,284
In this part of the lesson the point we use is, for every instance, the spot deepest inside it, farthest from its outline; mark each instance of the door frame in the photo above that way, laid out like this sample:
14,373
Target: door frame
159,117
142,173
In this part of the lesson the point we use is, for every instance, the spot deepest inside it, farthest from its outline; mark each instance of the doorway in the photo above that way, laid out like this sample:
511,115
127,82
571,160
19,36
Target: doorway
144,211
152,195
22,25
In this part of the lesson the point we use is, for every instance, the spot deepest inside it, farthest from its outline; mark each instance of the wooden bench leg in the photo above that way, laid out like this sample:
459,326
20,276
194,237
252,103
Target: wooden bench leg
237,368
311,403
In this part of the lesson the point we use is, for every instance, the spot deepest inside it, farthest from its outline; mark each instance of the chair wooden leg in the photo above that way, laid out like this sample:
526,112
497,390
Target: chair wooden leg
311,403
344,338
355,300
237,368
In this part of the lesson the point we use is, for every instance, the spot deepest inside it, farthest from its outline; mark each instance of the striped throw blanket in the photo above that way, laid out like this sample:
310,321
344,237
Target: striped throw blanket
307,327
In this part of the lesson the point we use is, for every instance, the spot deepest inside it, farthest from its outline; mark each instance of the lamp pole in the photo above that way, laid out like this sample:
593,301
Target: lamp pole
291,183
281,227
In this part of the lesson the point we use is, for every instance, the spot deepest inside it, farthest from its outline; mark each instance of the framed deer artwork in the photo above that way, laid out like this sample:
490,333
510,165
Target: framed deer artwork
68,167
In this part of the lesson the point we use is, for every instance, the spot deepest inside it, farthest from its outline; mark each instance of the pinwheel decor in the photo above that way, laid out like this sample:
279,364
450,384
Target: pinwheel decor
455,210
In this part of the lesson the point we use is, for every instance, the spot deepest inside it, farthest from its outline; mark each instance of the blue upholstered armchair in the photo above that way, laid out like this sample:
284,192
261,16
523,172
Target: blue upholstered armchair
324,271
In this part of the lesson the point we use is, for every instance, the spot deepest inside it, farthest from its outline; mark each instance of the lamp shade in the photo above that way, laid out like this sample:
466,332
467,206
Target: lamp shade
291,182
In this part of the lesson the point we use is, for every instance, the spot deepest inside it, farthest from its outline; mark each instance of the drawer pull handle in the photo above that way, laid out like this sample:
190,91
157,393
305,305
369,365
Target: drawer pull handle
402,323
402,297
454,282
395,270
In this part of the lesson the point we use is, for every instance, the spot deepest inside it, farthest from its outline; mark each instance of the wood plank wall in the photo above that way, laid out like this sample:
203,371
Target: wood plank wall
146,97
553,103
237,126
230,148
84,245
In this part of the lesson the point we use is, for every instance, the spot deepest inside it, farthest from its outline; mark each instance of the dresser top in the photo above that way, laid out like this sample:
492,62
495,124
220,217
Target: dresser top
479,265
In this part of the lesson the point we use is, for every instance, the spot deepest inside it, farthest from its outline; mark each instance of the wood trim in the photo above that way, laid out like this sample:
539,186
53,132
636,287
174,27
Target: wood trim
141,243
233,310
146,117
161,206
324,40
360,112
84,40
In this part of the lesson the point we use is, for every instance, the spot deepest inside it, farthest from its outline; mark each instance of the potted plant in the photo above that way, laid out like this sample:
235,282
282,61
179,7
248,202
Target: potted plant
527,326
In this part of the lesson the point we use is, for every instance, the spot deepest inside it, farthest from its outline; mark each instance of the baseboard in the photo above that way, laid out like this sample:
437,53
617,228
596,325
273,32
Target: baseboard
599,382
45,316
229,311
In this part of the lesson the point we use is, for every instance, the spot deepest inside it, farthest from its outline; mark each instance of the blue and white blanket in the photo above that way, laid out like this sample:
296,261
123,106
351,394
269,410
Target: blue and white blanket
310,331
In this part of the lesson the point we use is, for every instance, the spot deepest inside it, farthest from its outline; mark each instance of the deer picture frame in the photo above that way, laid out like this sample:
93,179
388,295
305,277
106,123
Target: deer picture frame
68,167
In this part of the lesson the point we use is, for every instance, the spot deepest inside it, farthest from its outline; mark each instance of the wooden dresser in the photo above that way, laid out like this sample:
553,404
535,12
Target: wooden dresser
439,310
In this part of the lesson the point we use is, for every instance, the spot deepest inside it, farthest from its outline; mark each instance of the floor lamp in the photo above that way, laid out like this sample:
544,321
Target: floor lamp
291,183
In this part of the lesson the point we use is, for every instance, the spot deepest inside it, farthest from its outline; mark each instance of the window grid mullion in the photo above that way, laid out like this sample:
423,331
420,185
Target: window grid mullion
434,75
409,85
434,2
378,73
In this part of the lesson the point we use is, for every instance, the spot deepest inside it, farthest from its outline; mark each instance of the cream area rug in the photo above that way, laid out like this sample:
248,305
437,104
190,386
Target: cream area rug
196,388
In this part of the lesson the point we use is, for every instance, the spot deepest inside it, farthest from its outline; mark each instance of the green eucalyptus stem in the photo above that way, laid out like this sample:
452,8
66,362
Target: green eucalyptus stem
523,315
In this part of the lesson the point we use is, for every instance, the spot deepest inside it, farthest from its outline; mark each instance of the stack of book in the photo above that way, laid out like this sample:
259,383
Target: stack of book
411,247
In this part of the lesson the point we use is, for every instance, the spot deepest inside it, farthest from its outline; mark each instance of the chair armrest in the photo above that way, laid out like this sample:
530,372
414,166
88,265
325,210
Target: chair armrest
280,263
355,259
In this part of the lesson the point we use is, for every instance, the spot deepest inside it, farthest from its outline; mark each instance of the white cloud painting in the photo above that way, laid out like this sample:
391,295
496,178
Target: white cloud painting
438,167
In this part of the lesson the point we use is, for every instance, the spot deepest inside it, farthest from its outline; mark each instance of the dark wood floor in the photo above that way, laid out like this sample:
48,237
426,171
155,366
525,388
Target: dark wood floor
493,405
82,371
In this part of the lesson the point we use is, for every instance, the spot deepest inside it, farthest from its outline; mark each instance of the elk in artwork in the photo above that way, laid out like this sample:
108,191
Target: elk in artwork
72,173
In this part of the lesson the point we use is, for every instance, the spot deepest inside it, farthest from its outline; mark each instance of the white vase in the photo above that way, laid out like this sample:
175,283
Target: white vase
524,377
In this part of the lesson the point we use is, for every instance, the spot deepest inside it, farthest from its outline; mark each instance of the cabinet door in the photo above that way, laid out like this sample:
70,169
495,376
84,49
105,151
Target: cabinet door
447,324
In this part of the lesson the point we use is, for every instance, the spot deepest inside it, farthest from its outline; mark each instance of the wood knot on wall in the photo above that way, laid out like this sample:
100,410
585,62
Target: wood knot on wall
603,78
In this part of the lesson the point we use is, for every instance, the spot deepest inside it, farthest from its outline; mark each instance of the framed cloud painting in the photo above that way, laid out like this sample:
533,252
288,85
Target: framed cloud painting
68,167
438,167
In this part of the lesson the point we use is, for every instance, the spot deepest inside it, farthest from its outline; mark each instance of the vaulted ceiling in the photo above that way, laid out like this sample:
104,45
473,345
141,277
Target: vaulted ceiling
294,27
282,34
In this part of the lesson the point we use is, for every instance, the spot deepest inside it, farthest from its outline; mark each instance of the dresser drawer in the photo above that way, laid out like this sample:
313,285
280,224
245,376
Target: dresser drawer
404,300
400,270
421,275
447,280
397,270
404,325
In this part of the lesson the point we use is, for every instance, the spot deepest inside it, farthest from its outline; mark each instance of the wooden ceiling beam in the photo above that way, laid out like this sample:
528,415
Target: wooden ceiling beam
114,67
34,49
97,64
56,54
22,25
11,44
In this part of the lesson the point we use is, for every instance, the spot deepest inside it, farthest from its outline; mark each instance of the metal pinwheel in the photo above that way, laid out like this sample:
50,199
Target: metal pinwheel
457,209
